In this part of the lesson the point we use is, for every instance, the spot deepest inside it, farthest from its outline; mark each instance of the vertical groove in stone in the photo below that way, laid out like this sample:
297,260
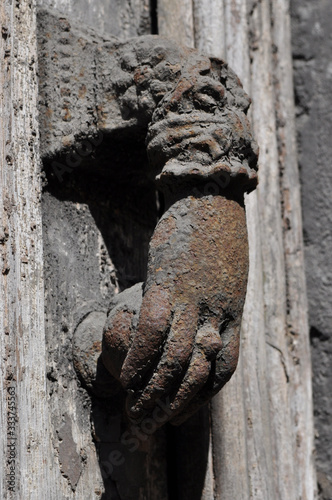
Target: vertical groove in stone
269,204
209,27
297,321
176,21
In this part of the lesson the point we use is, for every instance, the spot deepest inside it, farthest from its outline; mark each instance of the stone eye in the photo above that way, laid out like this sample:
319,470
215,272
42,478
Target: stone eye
209,95
205,102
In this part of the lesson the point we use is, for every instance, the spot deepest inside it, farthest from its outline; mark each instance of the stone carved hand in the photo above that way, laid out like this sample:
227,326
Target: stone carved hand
181,345
177,338
186,343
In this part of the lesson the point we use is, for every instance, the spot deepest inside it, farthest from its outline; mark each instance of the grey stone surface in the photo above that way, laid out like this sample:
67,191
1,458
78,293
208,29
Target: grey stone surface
312,55
95,233
120,18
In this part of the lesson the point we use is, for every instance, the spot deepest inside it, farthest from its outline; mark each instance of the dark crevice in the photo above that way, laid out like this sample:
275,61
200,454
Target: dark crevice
187,456
302,57
160,203
317,334
154,17
172,472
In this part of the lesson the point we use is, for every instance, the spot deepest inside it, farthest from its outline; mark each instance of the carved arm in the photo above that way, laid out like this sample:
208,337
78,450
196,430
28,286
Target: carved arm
186,343
177,336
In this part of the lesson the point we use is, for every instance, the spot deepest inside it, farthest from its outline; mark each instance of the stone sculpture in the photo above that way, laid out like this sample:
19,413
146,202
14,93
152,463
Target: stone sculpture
177,334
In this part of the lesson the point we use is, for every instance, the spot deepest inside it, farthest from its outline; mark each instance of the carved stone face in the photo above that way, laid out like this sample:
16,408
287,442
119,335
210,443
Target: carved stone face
200,127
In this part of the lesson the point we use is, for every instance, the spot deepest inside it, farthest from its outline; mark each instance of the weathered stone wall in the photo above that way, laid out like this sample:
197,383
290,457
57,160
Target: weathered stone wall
123,19
312,48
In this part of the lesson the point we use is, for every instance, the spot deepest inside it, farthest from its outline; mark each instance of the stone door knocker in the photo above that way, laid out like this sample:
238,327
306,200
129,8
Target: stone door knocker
176,335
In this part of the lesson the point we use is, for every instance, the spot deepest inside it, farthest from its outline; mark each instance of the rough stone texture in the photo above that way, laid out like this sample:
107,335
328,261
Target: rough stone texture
22,281
312,46
26,453
95,239
120,18
71,464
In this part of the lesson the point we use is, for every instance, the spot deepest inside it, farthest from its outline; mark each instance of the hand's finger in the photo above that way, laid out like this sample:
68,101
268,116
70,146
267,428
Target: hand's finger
194,379
116,340
171,368
221,371
119,328
154,323
207,346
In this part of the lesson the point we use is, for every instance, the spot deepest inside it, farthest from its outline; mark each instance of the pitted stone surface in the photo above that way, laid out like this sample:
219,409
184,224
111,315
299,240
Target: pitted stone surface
312,46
